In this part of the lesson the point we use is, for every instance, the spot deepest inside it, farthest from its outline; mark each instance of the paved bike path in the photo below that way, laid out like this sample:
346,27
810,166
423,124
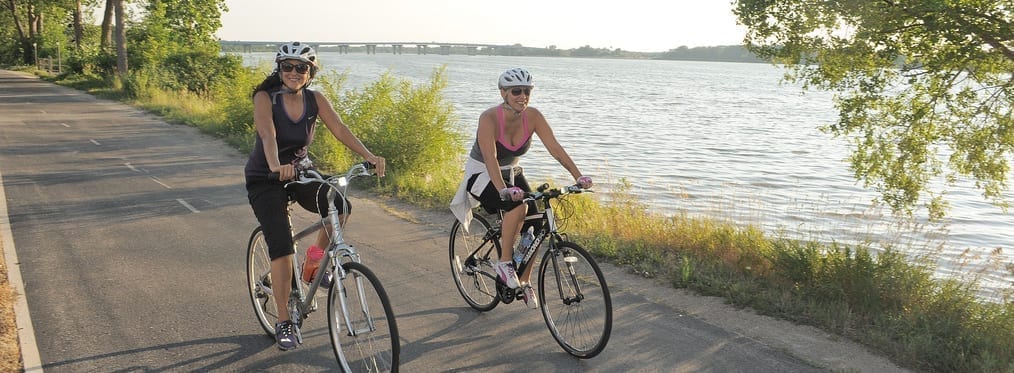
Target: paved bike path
130,235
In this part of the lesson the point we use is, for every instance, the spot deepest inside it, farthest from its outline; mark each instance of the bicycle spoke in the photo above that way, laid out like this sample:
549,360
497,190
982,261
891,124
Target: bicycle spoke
361,322
259,282
471,267
576,302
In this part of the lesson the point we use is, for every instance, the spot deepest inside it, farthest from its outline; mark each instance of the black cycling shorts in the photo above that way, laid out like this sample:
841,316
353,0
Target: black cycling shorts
269,200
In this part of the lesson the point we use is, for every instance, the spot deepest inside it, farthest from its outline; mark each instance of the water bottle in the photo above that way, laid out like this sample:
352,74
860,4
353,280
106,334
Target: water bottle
526,240
312,262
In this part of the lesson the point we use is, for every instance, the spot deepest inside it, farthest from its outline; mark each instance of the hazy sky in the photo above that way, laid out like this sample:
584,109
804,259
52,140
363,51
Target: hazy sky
634,25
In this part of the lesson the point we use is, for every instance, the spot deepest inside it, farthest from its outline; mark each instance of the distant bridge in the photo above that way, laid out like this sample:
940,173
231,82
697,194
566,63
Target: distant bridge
370,47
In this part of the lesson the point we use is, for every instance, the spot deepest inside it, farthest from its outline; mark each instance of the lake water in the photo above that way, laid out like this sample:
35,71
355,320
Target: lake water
720,140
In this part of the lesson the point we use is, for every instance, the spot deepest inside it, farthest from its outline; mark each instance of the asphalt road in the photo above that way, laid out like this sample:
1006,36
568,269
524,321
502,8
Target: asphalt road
130,238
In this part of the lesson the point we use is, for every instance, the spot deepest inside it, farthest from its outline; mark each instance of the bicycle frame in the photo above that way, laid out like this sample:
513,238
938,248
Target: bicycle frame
547,224
338,250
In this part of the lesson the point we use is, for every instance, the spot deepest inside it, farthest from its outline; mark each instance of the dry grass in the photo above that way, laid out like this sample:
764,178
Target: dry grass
10,352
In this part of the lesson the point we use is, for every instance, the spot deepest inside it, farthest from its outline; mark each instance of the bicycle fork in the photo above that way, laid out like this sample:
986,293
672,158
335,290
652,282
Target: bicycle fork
364,305
570,276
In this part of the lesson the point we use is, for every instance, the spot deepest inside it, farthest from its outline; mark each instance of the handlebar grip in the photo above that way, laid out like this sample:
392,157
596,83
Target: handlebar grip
273,176
368,165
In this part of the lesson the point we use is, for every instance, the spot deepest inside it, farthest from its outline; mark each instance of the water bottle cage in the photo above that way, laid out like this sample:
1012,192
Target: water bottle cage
526,251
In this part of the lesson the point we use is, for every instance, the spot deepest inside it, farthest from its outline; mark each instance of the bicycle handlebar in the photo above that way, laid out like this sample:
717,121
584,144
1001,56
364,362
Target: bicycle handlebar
543,191
310,175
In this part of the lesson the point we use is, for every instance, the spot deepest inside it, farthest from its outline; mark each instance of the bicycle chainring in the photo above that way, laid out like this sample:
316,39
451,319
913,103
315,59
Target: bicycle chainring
507,295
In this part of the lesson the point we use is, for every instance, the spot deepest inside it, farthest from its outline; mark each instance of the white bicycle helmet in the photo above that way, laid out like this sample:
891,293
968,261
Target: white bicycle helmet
297,51
516,77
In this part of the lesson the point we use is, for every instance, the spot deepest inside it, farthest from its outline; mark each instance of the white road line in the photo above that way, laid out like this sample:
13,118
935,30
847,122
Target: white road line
94,142
131,167
65,125
187,205
160,182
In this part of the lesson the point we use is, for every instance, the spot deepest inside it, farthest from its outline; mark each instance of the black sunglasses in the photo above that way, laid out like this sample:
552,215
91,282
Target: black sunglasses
517,91
301,68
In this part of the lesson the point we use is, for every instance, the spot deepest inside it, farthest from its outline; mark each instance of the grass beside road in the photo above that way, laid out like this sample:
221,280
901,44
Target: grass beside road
10,350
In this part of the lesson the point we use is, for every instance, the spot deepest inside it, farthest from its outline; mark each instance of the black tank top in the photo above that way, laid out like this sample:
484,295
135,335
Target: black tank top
292,137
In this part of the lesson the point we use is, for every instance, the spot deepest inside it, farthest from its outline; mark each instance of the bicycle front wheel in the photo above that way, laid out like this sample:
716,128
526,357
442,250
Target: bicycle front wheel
472,254
361,322
575,300
258,275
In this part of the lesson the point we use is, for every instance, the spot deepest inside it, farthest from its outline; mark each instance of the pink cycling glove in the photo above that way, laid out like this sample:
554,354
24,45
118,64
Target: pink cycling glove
511,194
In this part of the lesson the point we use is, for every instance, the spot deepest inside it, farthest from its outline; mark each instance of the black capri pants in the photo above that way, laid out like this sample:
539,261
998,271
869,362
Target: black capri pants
269,200
490,197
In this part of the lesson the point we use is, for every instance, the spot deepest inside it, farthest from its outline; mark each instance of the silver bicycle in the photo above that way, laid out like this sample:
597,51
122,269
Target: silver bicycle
360,319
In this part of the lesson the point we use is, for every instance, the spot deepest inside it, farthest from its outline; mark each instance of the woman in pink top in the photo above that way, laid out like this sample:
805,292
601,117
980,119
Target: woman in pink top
493,178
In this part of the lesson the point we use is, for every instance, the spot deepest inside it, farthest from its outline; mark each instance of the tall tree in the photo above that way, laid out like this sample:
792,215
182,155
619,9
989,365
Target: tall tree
106,37
78,25
924,89
120,34
183,24
27,19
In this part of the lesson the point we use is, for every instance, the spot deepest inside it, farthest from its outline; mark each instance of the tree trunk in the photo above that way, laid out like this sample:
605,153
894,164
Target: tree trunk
121,40
105,40
27,55
78,27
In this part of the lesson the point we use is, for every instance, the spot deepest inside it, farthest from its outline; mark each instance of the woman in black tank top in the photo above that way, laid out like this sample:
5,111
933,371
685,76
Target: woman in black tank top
285,115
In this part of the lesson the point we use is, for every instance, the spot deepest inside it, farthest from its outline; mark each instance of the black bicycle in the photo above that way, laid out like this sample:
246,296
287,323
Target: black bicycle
573,295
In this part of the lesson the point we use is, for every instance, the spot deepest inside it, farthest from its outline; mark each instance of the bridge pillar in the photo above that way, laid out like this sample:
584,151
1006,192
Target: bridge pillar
343,49
471,50
371,49
445,50
420,49
247,48
396,48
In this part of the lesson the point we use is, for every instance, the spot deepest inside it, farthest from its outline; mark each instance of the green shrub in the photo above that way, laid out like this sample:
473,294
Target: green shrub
413,128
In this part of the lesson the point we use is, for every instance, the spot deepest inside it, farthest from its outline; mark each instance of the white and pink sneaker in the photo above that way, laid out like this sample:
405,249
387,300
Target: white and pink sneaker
507,274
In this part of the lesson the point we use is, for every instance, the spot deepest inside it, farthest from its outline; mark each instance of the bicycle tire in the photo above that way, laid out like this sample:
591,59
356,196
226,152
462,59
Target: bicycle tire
375,346
578,310
474,275
258,269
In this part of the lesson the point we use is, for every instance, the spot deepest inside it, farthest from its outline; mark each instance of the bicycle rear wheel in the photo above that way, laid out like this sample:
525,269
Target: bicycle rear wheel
369,341
575,300
472,254
258,274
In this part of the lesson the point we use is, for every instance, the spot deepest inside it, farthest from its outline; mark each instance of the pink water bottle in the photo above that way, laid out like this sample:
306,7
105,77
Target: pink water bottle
313,256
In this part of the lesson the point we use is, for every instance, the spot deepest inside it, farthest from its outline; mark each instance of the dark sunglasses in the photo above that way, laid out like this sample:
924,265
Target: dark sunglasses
517,91
301,68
